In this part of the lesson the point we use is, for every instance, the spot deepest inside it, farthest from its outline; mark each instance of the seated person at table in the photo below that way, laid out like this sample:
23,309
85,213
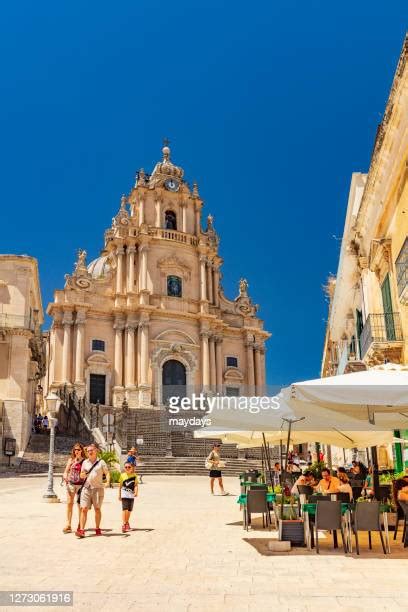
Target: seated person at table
328,483
344,486
292,467
401,486
368,483
306,479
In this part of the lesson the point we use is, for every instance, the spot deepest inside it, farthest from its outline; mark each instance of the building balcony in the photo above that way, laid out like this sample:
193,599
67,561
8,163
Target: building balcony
381,338
174,235
14,321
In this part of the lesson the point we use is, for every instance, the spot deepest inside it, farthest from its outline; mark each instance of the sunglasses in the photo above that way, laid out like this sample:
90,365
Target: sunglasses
77,449
128,467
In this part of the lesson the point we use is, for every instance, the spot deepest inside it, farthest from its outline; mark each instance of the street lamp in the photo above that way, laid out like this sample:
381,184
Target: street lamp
53,401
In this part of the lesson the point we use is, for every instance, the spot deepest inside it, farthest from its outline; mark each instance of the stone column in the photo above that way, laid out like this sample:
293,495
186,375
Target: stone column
66,347
144,352
197,220
183,207
250,367
209,282
143,248
55,344
131,268
158,212
118,359
212,363
205,370
141,211
262,351
258,370
130,356
216,282
119,269
203,282
219,362
79,352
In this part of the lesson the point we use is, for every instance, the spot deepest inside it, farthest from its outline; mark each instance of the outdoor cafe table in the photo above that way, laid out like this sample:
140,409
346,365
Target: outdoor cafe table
309,509
243,500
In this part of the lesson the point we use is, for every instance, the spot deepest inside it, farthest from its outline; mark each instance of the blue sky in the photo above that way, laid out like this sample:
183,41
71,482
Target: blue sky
270,106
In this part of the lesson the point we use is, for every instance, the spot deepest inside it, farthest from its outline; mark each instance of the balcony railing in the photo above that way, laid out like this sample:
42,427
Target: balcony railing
380,328
12,321
169,234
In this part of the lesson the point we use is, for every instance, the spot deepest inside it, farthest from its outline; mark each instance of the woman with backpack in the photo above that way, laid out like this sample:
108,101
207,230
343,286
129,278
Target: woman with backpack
72,478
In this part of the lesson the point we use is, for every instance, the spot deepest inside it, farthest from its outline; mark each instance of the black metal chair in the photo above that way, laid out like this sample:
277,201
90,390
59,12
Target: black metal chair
357,487
343,497
366,517
257,504
316,497
305,490
329,518
404,507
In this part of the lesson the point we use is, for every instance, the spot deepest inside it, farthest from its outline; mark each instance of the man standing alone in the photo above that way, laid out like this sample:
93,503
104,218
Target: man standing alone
92,491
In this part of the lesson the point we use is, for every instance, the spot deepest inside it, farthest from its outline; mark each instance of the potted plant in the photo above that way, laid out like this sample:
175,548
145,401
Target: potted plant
291,528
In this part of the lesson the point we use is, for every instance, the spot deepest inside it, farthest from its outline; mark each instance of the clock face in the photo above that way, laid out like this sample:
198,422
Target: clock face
171,184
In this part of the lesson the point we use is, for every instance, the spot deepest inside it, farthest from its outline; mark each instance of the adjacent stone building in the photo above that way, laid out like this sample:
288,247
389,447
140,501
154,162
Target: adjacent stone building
150,310
368,318
22,360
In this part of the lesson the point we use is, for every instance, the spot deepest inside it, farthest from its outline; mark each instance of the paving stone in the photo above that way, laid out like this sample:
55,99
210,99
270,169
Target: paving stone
188,553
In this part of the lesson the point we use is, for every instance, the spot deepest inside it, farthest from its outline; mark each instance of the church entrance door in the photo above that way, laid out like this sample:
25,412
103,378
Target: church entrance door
173,380
97,388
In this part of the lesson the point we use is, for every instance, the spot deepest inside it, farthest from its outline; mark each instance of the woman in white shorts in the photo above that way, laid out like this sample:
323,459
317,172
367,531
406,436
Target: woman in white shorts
73,481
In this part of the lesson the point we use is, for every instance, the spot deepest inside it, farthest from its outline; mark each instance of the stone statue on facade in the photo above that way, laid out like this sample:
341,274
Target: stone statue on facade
80,278
243,303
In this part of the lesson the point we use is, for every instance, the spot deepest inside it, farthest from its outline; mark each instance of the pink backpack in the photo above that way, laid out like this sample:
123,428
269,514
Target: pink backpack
75,473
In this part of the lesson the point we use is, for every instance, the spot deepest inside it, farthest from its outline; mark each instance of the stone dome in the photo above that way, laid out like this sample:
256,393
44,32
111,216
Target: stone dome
166,167
99,267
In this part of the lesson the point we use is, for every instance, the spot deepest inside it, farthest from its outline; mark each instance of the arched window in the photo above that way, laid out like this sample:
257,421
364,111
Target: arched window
170,220
174,286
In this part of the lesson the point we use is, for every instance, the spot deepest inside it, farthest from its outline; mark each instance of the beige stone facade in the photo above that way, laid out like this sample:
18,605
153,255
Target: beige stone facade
368,319
154,296
21,360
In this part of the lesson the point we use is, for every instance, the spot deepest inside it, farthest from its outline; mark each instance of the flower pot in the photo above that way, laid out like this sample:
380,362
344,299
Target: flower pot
290,511
292,531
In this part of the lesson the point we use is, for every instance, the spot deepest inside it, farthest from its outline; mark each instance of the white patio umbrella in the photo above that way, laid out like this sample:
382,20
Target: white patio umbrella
361,395
335,437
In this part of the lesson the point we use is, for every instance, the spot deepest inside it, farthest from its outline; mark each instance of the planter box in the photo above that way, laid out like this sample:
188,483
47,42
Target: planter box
289,511
292,531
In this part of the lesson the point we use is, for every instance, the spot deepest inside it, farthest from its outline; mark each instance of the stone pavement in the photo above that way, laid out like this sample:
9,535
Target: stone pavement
188,551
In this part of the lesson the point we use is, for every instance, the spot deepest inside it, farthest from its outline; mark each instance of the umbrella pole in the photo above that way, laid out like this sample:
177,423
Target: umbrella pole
268,459
368,457
281,456
376,478
286,466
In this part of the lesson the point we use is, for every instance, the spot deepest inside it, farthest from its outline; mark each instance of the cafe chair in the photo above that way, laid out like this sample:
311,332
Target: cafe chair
257,504
404,508
343,497
313,499
366,517
329,518
305,490
356,487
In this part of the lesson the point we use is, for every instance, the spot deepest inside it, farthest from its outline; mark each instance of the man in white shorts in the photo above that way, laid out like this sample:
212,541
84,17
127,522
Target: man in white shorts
92,492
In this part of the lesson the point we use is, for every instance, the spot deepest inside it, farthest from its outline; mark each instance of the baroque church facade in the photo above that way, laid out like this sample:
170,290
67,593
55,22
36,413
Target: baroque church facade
150,310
